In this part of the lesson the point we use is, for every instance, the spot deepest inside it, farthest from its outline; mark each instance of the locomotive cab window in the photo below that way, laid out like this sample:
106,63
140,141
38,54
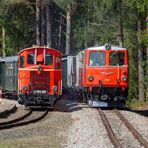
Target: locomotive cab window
97,58
31,58
21,61
58,62
48,59
116,58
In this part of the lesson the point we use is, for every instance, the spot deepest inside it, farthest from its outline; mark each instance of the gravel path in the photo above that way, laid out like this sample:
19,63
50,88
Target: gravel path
87,130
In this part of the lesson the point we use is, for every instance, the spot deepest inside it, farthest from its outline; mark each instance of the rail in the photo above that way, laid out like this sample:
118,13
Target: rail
111,134
19,121
135,133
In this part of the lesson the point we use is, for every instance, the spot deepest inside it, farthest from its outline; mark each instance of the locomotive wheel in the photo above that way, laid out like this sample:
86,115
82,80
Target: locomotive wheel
84,97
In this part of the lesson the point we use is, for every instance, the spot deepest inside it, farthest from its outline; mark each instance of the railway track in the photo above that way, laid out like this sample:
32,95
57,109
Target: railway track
111,134
114,139
30,117
135,133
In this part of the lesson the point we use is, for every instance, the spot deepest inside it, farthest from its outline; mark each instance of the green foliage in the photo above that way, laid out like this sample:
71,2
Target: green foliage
136,104
18,19
63,3
92,27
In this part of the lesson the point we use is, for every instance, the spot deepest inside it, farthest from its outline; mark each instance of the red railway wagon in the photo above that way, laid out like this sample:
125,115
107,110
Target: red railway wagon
103,75
39,76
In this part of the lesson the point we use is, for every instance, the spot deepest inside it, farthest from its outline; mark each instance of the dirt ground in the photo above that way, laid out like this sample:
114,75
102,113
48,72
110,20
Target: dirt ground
50,132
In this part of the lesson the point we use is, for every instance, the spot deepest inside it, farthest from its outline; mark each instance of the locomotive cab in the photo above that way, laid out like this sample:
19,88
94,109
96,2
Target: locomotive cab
39,77
103,76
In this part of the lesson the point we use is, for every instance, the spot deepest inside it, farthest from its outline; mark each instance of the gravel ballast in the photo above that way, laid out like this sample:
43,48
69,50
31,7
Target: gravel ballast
138,121
73,125
87,130
125,137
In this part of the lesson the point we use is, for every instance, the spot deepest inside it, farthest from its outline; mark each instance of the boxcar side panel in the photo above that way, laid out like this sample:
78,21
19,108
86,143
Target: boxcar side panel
9,74
64,72
3,77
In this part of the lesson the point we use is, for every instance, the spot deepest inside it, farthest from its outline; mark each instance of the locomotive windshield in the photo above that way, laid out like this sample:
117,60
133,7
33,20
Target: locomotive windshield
97,58
48,59
116,58
21,61
31,58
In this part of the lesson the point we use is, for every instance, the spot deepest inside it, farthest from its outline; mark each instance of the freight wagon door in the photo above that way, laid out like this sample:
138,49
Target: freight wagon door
11,76
1,73
64,72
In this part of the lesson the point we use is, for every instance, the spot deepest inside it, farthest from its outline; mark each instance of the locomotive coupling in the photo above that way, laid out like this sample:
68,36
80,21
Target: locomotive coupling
104,97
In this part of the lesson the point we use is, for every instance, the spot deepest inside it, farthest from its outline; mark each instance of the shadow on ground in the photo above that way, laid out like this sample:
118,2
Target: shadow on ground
68,103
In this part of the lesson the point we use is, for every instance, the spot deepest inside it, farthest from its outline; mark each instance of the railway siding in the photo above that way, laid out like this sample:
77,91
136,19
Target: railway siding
6,109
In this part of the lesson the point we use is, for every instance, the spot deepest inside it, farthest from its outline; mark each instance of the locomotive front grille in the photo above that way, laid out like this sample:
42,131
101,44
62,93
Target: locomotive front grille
39,84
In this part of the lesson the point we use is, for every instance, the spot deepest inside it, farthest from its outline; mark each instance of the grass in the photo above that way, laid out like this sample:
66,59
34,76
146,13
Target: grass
136,104
32,142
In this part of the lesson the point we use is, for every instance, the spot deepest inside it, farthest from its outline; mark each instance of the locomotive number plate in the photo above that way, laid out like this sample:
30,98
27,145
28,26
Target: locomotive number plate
40,91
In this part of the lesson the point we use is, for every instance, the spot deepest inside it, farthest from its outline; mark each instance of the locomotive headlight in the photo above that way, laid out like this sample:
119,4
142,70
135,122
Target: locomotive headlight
54,88
90,78
40,68
124,78
107,46
25,88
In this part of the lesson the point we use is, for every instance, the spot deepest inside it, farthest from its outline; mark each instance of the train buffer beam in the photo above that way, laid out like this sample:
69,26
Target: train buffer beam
93,103
96,103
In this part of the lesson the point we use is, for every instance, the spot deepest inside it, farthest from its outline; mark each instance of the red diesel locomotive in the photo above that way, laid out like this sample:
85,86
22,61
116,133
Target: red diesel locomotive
103,75
39,76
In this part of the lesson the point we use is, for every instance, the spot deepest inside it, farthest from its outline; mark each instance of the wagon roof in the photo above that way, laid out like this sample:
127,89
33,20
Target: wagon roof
10,59
103,48
39,47
1,59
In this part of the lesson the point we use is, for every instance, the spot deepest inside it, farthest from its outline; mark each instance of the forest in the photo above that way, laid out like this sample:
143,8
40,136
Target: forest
73,25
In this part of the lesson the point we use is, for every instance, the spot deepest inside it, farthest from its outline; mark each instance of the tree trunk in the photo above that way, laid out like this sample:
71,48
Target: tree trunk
48,23
68,29
38,42
120,33
120,26
147,58
3,41
140,62
147,70
43,25
59,35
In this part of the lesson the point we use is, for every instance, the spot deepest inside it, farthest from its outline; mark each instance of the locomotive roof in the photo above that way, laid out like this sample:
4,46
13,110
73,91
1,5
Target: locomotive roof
39,47
103,48
10,59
